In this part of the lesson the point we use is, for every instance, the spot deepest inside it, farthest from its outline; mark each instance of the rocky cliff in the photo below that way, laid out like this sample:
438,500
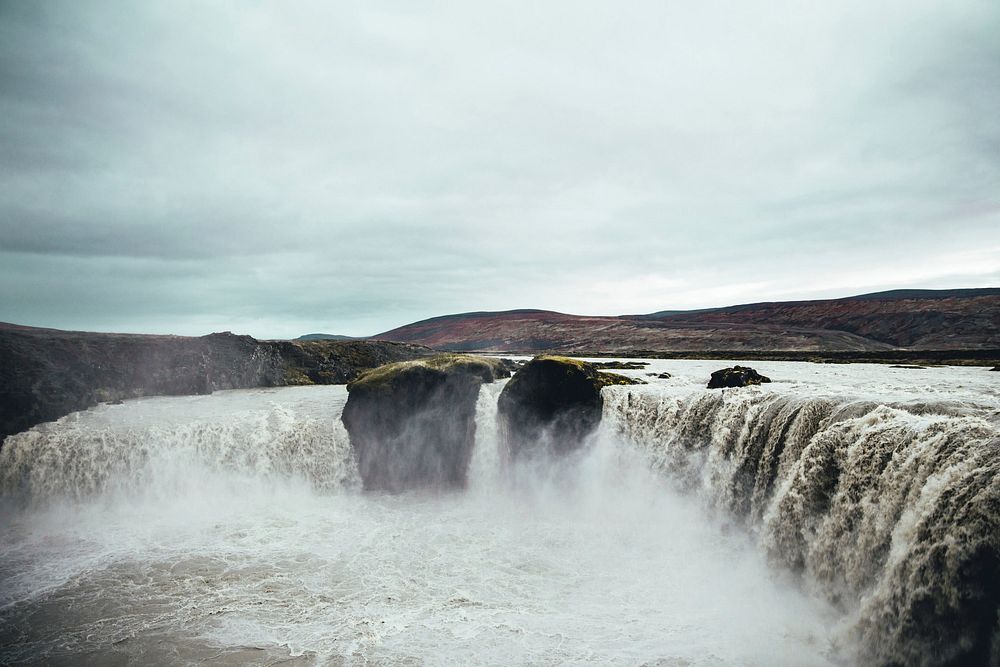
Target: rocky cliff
47,373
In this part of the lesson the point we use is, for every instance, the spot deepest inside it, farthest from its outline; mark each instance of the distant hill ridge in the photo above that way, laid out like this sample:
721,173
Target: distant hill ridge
325,336
929,293
914,319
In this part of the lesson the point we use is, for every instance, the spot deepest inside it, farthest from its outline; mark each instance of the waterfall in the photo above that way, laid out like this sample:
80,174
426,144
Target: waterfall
120,449
887,509
891,511
484,469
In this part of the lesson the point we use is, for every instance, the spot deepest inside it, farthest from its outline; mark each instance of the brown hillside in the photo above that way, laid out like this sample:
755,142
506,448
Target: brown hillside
918,320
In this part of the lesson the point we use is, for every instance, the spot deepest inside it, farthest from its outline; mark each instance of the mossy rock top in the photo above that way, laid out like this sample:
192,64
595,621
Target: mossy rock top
485,369
599,379
552,404
412,423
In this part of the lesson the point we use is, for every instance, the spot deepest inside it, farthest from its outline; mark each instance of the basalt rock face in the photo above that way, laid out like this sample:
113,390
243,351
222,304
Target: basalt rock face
339,361
737,376
412,424
46,373
552,404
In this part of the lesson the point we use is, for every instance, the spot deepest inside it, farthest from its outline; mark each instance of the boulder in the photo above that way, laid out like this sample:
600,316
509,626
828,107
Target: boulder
511,365
551,404
737,376
995,368
412,424
661,376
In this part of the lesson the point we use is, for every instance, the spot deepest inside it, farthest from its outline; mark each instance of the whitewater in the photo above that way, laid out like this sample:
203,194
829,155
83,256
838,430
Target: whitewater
785,524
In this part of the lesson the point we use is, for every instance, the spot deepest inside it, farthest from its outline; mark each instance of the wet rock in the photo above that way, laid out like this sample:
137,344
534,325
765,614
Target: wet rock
511,365
995,368
551,404
621,365
661,376
737,376
908,366
412,424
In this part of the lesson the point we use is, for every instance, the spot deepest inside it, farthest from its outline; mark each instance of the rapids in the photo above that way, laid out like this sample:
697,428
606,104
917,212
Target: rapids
780,525
879,487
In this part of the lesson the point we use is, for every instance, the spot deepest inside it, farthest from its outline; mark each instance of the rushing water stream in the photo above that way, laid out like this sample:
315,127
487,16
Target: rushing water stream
230,529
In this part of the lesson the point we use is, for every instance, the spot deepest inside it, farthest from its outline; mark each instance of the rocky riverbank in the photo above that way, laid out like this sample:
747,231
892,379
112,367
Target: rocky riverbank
47,373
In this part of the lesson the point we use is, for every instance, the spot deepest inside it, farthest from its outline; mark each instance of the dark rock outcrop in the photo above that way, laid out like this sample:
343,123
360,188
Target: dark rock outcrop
551,404
412,424
510,365
47,373
661,376
737,376
620,365
339,361
995,368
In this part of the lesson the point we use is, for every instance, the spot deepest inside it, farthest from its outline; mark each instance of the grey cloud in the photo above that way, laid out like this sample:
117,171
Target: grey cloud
317,166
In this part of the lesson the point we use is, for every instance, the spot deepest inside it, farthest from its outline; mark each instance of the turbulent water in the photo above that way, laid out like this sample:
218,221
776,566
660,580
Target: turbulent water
807,522
879,487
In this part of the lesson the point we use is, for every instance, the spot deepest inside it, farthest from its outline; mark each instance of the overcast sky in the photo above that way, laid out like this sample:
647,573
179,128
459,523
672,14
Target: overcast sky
278,168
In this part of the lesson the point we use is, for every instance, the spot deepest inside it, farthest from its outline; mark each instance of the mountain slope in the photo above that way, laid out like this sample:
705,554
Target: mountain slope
915,319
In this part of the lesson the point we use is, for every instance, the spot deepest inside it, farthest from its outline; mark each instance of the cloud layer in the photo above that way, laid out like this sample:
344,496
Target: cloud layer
278,168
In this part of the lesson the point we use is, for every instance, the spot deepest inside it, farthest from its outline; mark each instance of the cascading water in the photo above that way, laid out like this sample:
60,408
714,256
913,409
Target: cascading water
165,446
485,467
231,529
890,509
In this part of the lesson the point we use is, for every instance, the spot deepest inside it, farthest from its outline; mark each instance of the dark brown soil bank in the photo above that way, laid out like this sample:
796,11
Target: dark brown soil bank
46,373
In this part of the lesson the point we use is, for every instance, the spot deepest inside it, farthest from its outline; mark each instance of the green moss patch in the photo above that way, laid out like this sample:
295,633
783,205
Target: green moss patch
485,368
